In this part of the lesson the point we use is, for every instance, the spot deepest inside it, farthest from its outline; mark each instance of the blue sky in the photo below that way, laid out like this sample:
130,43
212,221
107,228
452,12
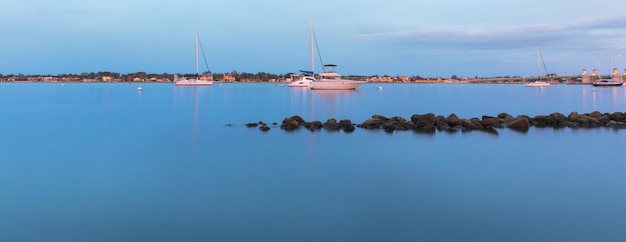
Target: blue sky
364,37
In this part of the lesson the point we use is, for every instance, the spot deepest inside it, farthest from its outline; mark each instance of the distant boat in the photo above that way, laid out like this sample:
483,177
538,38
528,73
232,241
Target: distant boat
539,83
328,80
139,89
607,83
304,80
611,82
207,79
331,80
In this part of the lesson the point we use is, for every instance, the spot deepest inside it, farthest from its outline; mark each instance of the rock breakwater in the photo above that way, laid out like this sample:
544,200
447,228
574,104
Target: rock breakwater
430,122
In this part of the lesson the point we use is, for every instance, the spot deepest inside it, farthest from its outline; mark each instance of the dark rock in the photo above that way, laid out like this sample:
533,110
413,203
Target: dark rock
604,119
426,121
346,125
252,125
380,117
519,123
467,124
264,128
315,125
389,126
573,116
595,114
443,126
331,124
618,117
490,122
452,120
289,124
372,123
505,117
558,118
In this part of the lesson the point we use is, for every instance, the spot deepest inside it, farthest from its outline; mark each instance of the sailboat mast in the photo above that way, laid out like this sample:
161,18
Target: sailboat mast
312,46
538,62
611,60
196,54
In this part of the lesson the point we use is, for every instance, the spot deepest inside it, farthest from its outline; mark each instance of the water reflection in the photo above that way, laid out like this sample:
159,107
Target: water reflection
594,98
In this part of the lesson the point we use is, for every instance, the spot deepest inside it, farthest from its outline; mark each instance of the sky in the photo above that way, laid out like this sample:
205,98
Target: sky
483,38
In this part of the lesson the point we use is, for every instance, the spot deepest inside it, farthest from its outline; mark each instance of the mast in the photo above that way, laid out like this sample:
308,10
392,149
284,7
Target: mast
312,46
611,60
538,62
196,55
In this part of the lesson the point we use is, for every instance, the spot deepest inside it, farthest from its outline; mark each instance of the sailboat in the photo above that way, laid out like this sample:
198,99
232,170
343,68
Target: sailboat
329,80
539,83
205,80
610,82
307,77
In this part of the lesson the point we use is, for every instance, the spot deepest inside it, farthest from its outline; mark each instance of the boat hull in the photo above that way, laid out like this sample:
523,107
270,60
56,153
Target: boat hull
299,84
607,84
335,85
537,84
187,83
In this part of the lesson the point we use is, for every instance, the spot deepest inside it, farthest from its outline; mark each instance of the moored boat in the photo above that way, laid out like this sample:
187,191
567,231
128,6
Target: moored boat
537,84
607,83
205,80
304,80
331,80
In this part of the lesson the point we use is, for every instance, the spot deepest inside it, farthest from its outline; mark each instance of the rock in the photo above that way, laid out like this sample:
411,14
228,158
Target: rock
573,116
331,124
252,125
372,123
595,114
389,126
618,117
604,119
315,125
264,128
489,122
468,124
519,123
505,117
346,125
380,117
426,121
289,124
558,118
452,120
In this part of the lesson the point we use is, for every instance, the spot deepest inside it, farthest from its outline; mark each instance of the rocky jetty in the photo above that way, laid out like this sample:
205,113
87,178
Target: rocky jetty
430,122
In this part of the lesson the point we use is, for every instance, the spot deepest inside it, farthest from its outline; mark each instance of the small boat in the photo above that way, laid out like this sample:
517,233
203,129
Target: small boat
537,84
139,89
331,80
207,77
607,83
304,80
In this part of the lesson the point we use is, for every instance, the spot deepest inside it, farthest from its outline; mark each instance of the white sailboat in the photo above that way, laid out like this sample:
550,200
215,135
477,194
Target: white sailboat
538,82
307,77
205,80
328,80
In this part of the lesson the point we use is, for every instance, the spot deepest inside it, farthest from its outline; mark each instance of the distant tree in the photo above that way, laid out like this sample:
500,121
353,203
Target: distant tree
454,77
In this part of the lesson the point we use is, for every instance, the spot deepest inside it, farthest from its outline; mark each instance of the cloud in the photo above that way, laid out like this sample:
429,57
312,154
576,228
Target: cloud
586,33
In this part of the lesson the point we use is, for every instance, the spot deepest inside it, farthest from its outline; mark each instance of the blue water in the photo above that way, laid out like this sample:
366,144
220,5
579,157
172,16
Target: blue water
102,162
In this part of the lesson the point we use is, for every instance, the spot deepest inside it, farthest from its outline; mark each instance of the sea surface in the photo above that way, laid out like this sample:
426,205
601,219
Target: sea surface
104,162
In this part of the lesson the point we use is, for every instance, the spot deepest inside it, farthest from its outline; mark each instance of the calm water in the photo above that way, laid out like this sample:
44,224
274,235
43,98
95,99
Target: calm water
102,162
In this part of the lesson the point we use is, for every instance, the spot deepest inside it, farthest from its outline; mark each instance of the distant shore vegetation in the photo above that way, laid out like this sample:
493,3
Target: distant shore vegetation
234,76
